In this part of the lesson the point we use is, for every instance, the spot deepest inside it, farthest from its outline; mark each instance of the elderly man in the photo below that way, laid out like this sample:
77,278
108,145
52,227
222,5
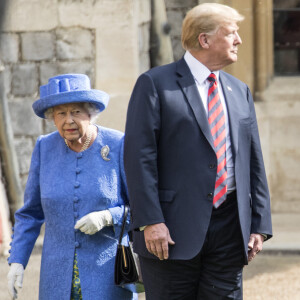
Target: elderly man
198,191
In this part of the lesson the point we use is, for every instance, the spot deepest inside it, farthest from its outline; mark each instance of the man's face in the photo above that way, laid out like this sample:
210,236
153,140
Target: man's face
223,45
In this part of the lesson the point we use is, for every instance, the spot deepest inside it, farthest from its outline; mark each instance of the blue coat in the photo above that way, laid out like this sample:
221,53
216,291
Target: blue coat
171,164
62,187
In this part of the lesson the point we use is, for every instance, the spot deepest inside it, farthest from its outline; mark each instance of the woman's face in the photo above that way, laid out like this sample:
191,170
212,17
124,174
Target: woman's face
71,120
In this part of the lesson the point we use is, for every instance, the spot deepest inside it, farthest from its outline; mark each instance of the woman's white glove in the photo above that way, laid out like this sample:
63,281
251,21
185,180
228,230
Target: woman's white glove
94,221
15,275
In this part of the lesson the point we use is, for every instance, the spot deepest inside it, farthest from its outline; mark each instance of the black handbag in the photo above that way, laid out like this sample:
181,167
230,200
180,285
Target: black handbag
127,267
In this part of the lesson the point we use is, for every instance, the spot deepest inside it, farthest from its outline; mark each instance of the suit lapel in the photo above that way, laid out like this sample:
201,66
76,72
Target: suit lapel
232,104
189,89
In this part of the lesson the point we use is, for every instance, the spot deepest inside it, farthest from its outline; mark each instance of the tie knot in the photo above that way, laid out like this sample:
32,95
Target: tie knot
212,78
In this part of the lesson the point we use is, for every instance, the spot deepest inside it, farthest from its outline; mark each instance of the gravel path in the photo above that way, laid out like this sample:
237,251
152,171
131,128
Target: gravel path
273,278
266,278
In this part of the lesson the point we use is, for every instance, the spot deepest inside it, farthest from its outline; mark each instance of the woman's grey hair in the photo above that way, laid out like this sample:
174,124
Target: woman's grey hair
92,110
206,18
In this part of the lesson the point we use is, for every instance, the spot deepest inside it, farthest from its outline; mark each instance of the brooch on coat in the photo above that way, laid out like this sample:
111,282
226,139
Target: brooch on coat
104,153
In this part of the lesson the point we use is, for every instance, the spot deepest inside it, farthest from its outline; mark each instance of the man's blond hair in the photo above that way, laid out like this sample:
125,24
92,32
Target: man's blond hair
206,18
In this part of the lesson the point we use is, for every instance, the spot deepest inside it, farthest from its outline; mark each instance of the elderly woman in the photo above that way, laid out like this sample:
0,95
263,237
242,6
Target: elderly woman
76,186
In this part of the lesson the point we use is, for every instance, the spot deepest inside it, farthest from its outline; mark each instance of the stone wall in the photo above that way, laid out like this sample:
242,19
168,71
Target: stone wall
279,121
107,40
176,11
29,59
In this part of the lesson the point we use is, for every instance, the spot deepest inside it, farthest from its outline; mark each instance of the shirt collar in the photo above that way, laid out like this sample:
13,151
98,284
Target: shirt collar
199,71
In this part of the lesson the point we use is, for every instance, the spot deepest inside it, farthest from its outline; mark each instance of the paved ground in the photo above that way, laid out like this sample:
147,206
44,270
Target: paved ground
267,278
273,275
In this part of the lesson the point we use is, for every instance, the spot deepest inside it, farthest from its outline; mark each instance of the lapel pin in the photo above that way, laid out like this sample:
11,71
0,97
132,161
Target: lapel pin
229,88
104,153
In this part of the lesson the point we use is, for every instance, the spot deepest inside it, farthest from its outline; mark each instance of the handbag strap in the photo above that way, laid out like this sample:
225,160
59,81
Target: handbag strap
123,224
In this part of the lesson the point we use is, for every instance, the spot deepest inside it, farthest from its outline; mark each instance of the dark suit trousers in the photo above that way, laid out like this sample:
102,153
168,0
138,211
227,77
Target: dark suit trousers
214,274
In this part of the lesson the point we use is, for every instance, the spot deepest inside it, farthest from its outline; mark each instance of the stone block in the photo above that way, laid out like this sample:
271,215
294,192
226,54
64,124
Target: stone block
115,68
24,121
80,67
30,15
79,13
284,183
74,43
9,47
283,133
37,46
5,77
24,147
92,14
281,89
47,70
24,79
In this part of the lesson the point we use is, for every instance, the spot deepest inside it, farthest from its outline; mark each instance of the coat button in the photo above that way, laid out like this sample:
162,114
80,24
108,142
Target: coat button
77,245
78,170
76,184
212,166
209,195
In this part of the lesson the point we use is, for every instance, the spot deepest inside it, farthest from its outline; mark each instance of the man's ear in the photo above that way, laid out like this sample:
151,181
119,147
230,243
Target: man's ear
203,40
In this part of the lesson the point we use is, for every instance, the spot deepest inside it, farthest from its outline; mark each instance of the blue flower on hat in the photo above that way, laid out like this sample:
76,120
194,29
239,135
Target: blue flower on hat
68,88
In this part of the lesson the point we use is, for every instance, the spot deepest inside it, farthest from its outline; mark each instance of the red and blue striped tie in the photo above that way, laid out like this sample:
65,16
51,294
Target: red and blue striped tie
216,120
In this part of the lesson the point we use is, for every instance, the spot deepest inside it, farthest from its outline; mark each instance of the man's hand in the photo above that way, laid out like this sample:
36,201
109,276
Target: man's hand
254,245
157,238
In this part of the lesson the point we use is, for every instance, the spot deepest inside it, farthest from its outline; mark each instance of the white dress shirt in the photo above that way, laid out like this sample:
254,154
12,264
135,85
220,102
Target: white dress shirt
200,73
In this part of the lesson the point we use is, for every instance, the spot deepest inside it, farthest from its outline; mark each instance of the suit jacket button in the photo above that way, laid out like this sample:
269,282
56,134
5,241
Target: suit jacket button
212,166
209,195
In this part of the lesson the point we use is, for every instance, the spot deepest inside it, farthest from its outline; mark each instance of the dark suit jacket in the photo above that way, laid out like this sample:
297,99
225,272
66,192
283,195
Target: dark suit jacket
170,162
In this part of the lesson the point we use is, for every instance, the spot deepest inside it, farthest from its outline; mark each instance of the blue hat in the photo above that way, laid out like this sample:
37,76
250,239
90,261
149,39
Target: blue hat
68,88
